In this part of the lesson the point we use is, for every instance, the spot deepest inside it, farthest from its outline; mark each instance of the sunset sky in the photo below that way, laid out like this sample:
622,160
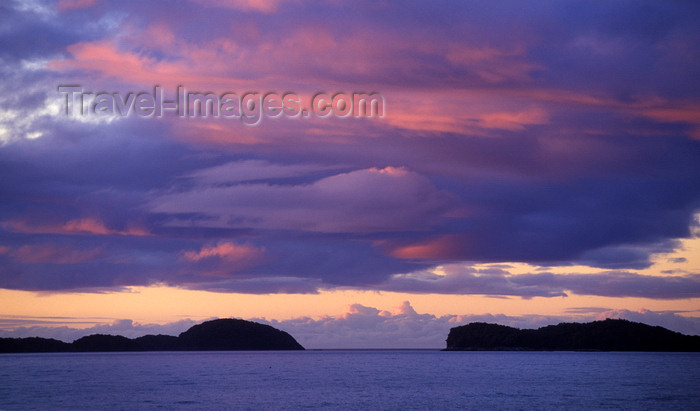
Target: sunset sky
536,162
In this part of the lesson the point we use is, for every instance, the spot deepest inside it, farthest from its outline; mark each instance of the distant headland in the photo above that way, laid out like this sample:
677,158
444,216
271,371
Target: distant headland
607,335
216,335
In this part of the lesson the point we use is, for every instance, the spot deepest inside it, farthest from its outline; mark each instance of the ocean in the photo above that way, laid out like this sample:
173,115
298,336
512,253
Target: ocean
351,380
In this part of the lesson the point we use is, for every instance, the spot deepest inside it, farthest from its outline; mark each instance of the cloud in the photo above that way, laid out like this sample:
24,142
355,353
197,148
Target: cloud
670,320
226,250
244,5
250,171
104,59
360,201
358,327
86,226
53,328
224,258
509,137
47,253
66,5
368,327
463,279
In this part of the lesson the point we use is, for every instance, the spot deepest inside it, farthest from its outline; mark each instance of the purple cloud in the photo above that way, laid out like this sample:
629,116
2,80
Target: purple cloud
360,201
456,279
510,136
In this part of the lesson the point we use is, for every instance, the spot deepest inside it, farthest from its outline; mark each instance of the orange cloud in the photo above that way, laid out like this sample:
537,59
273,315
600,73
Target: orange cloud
446,246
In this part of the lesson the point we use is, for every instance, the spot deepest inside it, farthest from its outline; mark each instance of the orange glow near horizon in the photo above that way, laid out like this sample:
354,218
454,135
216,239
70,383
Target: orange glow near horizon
161,304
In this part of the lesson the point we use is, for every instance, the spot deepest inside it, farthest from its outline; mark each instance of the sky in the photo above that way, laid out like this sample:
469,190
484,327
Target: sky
532,163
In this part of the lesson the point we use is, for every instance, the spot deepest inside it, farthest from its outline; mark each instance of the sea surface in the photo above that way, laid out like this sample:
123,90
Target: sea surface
351,380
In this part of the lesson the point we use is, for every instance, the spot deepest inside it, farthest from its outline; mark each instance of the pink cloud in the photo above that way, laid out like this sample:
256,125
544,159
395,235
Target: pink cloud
80,226
92,226
467,112
681,113
158,35
67,5
311,53
513,121
444,246
264,6
105,59
231,252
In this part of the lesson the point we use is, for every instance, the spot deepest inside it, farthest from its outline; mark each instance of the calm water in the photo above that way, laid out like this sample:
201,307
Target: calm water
361,380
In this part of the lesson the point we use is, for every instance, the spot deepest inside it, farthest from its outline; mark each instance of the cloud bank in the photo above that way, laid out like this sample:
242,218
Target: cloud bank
557,134
361,326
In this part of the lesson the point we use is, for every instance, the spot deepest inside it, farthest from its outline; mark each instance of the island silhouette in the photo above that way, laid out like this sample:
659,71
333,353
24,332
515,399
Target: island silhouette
215,335
607,335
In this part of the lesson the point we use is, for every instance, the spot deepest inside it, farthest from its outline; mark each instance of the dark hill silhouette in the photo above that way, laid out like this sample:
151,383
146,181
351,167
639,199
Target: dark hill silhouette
102,342
223,334
608,335
33,344
158,342
231,334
